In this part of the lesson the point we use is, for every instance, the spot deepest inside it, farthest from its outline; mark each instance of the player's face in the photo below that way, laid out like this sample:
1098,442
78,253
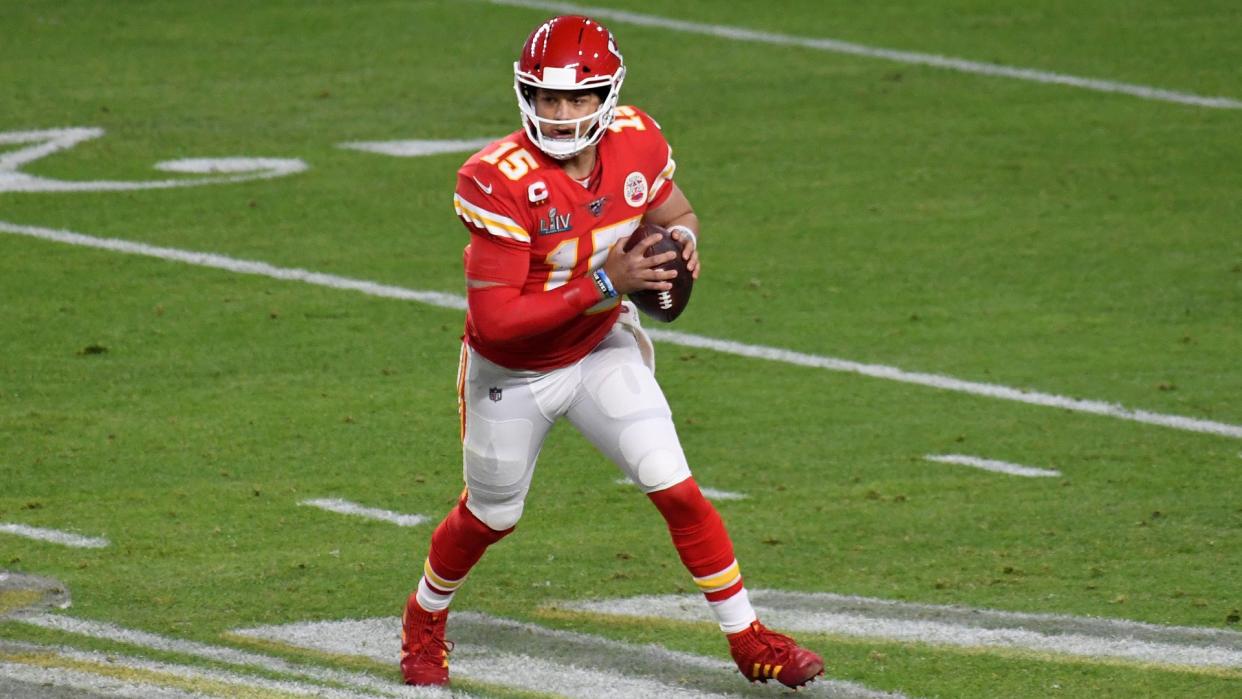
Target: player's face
564,106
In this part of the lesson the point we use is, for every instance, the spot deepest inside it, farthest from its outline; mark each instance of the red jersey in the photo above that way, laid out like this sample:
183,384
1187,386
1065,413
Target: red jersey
536,229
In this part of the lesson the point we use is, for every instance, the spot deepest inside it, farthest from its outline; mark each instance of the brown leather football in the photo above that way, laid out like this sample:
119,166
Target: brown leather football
664,306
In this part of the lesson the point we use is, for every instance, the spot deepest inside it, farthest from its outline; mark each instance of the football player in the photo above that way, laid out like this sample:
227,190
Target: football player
547,336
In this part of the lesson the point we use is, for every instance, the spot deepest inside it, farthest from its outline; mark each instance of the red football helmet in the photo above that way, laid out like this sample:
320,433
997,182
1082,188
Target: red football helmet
569,52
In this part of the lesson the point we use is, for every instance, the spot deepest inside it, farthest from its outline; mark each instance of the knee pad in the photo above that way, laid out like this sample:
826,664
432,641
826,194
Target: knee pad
498,516
653,454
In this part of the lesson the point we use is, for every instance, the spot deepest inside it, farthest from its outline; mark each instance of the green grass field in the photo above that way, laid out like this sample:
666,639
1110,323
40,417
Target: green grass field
1072,242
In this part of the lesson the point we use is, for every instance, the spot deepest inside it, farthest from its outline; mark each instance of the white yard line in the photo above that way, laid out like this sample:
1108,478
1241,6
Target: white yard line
345,507
947,383
907,57
709,493
262,269
54,536
714,494
415,149
954,626
993,465
775,354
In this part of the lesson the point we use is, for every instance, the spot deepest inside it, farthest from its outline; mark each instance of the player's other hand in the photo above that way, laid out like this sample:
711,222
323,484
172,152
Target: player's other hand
690,252
631,271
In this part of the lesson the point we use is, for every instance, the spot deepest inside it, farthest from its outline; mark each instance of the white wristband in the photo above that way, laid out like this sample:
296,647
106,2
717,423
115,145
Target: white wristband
686,233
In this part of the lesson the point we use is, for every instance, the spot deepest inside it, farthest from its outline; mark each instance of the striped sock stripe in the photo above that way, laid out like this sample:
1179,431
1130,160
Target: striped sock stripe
720,580
435,589
438,583
725,593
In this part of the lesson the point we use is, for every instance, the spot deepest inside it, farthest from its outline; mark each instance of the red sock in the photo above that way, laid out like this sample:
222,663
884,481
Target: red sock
701,540
458,543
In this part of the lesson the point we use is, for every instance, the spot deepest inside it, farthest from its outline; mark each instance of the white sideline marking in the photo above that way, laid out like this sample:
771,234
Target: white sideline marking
909,57
224,654
992,465
54,536
414,149
238,682
867,618
709,493
775,354
49,141
346,507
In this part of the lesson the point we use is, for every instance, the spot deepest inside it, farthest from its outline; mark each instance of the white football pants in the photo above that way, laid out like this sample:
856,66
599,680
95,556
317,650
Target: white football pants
610,395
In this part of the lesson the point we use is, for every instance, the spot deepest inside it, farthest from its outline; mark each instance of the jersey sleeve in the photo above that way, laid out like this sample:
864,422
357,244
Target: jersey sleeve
656,153
660,186
486,207
500,314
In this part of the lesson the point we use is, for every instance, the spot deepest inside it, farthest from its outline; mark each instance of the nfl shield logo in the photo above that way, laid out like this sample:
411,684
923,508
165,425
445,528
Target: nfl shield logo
494,393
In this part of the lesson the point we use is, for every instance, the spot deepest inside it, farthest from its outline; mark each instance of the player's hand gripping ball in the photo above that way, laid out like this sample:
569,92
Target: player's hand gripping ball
664,306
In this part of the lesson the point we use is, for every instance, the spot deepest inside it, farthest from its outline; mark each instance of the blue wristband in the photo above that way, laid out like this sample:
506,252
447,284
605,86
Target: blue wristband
604,283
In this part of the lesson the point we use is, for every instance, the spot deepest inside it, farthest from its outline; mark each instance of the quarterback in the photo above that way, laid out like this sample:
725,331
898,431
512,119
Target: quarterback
548,336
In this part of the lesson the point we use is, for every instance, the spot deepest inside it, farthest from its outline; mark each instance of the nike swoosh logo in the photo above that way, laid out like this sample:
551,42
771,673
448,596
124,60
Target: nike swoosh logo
486,189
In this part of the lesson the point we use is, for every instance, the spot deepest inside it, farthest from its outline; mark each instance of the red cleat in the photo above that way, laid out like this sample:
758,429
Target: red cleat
424,652
762,655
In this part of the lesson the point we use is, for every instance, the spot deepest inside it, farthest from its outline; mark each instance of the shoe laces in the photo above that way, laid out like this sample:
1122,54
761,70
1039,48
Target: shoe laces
769,642
436,641
430,635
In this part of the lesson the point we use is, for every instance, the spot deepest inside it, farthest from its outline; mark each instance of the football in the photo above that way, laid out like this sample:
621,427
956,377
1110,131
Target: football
664,306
